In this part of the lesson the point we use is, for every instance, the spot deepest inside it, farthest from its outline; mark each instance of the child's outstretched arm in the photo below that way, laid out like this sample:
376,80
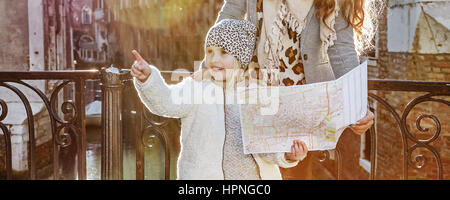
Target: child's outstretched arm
155,93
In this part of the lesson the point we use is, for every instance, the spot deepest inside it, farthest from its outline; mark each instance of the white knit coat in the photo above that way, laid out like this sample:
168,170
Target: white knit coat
202,127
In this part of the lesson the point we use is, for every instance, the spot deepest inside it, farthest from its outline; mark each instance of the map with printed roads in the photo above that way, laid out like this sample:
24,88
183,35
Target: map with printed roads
314,113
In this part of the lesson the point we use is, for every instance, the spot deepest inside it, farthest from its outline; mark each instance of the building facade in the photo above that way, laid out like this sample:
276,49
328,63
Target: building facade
36,37
91,20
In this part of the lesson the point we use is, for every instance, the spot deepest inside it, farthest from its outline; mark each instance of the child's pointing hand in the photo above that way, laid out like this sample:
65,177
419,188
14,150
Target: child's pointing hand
140,68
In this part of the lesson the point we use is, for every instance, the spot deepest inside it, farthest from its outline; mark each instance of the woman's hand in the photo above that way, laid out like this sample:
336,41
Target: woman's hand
363,124
299,150
140,68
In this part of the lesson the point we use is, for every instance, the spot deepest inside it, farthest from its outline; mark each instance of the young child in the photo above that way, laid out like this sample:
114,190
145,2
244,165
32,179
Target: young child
211,141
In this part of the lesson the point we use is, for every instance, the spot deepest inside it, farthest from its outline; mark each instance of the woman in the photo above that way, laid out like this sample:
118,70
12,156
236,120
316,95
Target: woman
307,41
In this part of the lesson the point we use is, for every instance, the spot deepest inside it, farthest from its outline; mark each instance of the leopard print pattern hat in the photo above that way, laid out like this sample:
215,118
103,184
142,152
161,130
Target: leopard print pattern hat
236,37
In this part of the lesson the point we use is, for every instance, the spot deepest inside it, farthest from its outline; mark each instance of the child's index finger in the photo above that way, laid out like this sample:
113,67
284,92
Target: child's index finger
137,55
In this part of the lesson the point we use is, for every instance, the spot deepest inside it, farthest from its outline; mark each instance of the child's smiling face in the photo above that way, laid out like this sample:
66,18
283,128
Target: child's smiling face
219,63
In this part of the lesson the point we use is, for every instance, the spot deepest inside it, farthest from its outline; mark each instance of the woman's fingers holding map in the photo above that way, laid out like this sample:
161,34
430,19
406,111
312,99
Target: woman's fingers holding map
363,124
367,119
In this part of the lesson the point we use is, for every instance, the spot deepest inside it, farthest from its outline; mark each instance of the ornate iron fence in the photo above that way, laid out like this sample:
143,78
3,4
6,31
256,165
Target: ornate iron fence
73,125
63,129
434,92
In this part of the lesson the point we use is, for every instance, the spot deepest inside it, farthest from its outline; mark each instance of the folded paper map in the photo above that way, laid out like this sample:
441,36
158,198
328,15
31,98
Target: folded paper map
315,113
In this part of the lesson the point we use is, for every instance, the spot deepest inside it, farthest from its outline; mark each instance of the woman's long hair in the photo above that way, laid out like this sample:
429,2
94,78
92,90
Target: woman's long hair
362,15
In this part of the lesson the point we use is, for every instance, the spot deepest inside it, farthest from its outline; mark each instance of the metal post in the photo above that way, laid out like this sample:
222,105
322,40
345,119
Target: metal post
81,121
112,154
140,162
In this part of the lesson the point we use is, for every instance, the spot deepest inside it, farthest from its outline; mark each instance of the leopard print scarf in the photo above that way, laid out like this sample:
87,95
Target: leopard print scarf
291,71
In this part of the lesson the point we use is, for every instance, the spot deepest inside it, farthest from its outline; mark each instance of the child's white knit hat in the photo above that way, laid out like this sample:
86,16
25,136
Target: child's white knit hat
236,37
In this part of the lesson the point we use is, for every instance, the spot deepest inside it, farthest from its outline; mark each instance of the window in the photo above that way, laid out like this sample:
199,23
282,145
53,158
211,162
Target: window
86,15
109,15
116,13
86,39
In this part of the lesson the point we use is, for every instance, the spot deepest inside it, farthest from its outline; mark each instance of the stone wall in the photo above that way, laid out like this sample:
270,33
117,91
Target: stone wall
14,33
20,149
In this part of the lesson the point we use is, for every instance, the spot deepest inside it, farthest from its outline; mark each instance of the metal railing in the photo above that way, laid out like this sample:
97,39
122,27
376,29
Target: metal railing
434,92
73,126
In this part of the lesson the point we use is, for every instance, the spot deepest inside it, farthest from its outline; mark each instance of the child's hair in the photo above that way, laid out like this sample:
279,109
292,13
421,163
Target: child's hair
237,71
